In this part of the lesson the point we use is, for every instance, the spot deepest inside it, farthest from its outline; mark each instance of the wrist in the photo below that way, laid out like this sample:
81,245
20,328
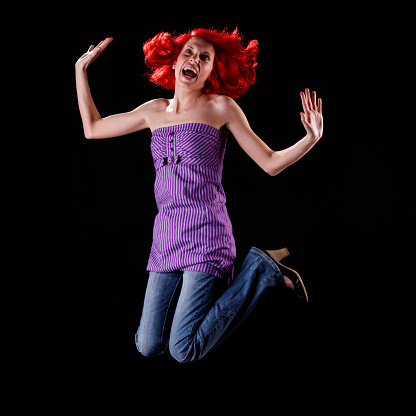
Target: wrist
312,138
80,69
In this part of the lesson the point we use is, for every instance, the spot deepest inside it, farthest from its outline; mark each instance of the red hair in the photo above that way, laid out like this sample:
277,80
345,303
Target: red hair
234,64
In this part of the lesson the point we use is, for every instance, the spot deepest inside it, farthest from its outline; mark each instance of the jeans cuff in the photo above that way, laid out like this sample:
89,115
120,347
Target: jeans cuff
271,262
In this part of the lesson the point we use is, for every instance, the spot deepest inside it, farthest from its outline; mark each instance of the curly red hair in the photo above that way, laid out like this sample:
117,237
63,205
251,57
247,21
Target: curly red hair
234,67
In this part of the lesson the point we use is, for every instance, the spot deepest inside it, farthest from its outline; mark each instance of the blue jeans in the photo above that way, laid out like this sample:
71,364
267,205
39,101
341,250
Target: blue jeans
187,311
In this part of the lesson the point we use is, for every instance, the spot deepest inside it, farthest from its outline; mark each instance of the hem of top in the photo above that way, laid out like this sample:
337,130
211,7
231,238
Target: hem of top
185,126
201,267
207,268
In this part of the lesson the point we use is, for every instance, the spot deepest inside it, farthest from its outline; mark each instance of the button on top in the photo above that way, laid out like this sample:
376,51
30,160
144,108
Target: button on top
172,133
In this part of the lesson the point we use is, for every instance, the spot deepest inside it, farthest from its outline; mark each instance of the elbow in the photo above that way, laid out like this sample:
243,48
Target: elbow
269,165
90,131
89,134
269,170
272,169
273,172
94,133
274,165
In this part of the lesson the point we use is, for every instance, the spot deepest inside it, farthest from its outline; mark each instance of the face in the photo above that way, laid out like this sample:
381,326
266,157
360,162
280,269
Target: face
195,62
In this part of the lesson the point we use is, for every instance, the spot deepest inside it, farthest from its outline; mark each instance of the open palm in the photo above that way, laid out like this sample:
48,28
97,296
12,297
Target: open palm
88,57
312,118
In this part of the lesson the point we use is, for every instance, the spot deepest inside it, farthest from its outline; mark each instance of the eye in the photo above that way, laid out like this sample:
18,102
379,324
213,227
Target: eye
204,57
188,51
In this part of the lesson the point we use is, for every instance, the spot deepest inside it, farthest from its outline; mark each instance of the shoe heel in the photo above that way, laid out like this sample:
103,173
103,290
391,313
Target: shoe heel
278,255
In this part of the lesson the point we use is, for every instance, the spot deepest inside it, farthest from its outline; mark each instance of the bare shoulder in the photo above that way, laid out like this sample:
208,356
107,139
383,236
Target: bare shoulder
158,104
227,105
151,110
221,101
224,107
229,110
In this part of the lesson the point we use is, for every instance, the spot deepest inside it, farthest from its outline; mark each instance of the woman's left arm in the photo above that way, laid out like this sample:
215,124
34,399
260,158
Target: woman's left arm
273,162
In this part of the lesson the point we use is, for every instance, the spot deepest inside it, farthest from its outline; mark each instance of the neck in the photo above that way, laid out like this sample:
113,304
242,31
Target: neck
184,99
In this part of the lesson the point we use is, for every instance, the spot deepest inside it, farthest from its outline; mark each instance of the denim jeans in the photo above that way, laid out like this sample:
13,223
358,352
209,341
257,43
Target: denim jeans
187,311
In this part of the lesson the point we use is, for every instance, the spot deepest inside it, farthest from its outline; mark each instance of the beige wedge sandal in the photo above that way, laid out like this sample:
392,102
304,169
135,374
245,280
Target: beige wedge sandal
292,275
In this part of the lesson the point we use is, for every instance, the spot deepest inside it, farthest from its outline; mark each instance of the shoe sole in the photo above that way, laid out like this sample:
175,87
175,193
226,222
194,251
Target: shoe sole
298,276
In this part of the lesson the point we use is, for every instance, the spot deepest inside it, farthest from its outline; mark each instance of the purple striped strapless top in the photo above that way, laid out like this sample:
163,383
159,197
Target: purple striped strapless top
192,230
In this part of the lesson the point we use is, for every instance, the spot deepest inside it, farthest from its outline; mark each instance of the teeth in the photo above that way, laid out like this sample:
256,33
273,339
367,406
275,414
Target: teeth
190,69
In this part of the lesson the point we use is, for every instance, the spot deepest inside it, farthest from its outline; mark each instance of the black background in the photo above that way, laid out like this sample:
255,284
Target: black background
343,210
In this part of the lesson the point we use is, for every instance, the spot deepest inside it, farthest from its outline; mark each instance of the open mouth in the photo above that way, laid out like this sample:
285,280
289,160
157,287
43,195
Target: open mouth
189,73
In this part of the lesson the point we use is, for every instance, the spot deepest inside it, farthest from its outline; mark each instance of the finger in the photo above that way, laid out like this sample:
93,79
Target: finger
319,105
304,104
302,117
99,45
104,43
308,98
304,121
87,53
314,106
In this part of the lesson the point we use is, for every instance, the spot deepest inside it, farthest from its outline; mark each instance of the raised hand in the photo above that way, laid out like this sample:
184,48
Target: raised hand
85,60
312,118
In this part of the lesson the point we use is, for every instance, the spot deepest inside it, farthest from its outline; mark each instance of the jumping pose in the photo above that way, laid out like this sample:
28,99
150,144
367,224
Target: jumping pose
193,248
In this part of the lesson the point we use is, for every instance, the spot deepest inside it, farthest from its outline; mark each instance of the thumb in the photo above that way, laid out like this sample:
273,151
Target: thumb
303,118
305,122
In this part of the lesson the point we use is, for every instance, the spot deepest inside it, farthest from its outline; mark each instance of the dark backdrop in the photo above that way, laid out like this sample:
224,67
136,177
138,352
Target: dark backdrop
343,210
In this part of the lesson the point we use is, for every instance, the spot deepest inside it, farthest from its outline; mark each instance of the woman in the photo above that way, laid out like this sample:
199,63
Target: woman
193,248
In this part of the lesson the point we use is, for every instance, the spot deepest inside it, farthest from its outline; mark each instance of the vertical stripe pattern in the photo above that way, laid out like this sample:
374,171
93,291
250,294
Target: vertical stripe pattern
192,230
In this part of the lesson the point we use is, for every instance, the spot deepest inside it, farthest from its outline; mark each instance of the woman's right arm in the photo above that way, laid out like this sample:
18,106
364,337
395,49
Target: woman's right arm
96,127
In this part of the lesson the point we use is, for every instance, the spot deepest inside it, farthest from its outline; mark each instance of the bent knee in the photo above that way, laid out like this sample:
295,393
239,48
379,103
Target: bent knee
183,353
148,347
179,356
